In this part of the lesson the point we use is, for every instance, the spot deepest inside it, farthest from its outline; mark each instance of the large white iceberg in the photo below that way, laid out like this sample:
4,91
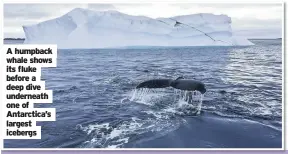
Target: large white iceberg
82,28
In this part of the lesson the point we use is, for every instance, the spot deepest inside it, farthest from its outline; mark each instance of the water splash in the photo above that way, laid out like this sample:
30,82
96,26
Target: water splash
147,96
160,120
183,100
107,135
188,101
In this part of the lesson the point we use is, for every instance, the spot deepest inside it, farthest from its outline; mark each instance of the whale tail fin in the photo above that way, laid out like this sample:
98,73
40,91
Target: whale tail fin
156,83
180,77
179,83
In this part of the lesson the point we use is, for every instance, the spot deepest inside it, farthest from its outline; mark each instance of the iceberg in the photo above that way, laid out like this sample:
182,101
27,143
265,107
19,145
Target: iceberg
83,28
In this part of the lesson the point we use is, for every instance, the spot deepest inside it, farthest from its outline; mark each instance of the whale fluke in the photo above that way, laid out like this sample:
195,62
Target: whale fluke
181,77
156,83
179,83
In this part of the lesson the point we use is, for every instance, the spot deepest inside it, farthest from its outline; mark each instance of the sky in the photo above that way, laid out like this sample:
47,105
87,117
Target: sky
249,20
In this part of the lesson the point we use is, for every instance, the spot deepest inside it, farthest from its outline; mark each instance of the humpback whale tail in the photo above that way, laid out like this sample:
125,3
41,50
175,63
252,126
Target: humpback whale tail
156,83
179,83
180,77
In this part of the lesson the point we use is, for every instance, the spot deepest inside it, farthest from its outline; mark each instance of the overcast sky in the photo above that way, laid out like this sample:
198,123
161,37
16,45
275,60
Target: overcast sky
251,20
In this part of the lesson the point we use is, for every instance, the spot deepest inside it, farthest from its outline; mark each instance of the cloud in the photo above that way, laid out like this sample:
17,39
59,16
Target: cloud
24,11
253,23
101,7
227,5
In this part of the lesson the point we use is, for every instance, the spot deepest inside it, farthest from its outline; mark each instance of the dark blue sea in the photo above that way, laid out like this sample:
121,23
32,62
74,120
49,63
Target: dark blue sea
98,107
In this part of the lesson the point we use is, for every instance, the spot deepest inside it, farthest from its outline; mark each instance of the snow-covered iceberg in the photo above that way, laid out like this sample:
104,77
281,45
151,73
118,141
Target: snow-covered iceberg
82,28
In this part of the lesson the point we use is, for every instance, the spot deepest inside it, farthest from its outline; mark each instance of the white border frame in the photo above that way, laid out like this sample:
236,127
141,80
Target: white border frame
284,118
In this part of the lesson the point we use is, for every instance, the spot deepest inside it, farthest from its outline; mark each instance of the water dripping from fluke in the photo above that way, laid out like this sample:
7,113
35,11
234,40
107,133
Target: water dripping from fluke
182,99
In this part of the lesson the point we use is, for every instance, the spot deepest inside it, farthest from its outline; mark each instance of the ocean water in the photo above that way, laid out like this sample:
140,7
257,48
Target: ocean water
97,105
